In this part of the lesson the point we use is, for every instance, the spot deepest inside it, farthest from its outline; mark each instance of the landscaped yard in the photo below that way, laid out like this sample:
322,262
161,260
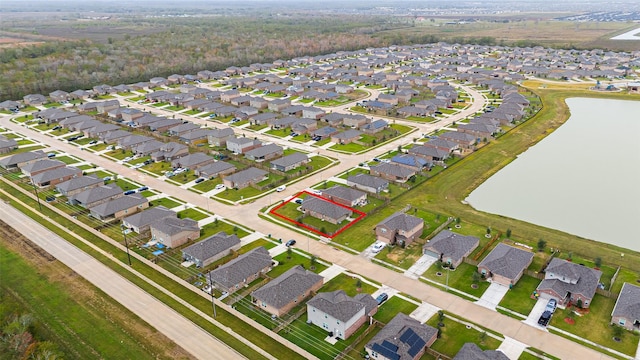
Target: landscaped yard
159,167
401,257
238,195
279,132
66,159
192,214
120,154
518,298
390,308
349,148
219,225
208,185
460,278
166,202
454,335
284,264
348,284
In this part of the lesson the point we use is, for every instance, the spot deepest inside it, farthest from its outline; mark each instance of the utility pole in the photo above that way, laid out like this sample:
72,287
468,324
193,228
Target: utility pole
213,303
126,244
35,189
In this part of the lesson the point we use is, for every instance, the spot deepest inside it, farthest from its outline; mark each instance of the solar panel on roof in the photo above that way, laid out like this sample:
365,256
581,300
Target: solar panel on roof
389,354
416,347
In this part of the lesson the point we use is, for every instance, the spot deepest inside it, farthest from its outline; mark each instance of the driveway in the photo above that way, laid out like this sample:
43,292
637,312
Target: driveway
512,348
492,296
420,266
535,313
424,312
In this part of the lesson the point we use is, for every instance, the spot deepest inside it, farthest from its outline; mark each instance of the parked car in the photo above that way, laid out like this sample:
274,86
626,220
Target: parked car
377,247
382,298
551,306
127,159
50,198
298,201
199,180
544,318
219,186
138,165
294,134
169,174
144,188
50,155
281,188
57,127
129,192
92,142
290,243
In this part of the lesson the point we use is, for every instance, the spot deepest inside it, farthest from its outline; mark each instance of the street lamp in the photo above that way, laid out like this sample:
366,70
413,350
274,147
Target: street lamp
126,244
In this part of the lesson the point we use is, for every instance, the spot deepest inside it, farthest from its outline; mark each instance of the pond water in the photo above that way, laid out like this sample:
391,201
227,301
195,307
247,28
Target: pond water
583,179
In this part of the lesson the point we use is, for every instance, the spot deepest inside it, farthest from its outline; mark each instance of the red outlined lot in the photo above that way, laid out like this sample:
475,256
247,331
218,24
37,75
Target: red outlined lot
361,215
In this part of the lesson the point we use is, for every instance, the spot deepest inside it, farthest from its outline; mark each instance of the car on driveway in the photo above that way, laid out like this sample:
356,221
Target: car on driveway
219,186
551,306
544,318
199,180
290,243
377,247
382,298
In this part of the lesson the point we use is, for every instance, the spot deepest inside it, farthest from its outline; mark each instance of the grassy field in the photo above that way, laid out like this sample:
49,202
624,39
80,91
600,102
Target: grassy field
73,313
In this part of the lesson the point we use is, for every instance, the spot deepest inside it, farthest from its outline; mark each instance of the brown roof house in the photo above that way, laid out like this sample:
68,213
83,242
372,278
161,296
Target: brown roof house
471,351
244,178
569,283
141,222
403,338
626,313
450,248
345,196
120,207
399,228
173,232
505,264
219,137
241,271
287,290
325,210
211,249
340,314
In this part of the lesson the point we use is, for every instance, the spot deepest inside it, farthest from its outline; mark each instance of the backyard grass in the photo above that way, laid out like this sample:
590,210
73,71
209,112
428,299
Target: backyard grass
518,298
454,335
192,214
348,284
595,325
284,264
624,276
166,202
460,278
390,308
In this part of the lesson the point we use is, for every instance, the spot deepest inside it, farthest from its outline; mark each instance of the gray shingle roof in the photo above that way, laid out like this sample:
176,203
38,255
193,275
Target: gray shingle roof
97,193
112,206
215,168
348,134
324,207
452,245
42,165
585,280
53,174
507,261
428,151
212,246
368,180
172,226
264,151
22,157
250,174
628,303
78,183
403,336
240,268
149,216
287,287
394,170
401,221
289,160
339,305
343,192
471,351
192,159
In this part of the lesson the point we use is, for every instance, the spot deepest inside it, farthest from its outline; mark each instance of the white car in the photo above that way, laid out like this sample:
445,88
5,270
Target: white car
377,247
281,188
316,192
137,166
179,171
220,186
127,159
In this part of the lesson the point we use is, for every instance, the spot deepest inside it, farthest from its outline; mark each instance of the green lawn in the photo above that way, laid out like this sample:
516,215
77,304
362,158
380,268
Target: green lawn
84,141
454,335
284,264
350,148
518,298
318,162
595,326
119,154
348,284
208,185
238,195
25,142
402,257
158,168
322,142
192,214
126,185
66,159
185,177
625,275
279,132
390,308
460,278
166,202
139,160
218,225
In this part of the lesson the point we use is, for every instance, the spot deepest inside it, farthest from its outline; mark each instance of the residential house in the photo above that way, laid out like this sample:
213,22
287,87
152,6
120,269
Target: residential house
79,184
17,161
442,144
312,112
99,130
40,166
392,172
345,195
163,125
59,96
403,338
374,126
339,314
192,161
324,132
219,137
346,137
96,195
325,210
568,282
480,131
415,163
211,249
429,153
626,312
399,228
354,121
183,128
263,118
464,140
242,145
173,232
170,151
104,107
368,183
241,271
286,291
505,264
55,176
289,162
131,141
7,145
199,136
471,351
218,168
9,105
148,148
244,178
34,99
266,152
119,207
279,104
141,222
114,136
450,248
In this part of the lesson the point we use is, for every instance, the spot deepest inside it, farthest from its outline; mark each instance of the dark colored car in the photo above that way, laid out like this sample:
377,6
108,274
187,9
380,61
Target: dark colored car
129,192
143,188
544,318
290,243
382,298
199,180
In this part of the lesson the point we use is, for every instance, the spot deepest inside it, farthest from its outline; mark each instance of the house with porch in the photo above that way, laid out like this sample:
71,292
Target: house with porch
569,283
211,249
450,248
241,271
399,228
339,314
505,264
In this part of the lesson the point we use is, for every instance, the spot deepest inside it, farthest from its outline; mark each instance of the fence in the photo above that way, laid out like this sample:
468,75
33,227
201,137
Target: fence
357,340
